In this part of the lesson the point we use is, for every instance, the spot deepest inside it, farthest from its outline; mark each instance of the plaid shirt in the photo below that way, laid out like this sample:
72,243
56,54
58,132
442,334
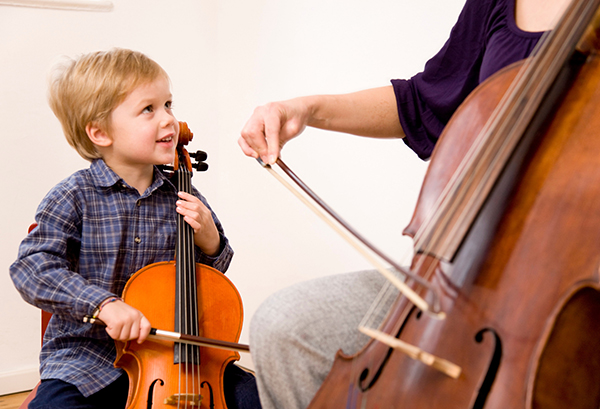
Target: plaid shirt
93,233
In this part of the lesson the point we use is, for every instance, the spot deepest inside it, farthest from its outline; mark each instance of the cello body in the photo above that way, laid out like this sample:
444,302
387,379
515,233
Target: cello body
521,293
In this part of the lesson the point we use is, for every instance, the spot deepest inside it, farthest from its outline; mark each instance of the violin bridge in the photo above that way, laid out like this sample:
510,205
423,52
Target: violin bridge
442,365
184,400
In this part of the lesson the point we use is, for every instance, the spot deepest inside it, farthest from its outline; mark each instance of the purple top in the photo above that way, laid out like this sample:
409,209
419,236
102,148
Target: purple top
484,40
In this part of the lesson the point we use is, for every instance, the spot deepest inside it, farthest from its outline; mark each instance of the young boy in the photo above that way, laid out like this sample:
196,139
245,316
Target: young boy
102,224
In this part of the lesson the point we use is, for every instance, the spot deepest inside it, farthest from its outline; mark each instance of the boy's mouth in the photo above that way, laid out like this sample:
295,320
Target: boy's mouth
166,139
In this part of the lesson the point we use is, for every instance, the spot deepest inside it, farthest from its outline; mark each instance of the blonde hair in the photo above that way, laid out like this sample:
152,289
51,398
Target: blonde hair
86,90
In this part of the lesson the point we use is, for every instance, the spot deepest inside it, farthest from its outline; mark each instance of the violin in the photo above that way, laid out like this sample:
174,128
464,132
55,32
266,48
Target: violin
194,301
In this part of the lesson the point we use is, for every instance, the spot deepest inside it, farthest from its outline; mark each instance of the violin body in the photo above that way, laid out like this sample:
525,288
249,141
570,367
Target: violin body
154,379
522,292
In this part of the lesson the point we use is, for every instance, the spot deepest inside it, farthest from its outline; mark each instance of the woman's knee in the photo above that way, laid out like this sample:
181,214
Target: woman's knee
272,321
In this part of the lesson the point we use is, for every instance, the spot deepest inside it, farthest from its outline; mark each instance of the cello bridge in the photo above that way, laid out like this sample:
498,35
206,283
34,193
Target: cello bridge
184,400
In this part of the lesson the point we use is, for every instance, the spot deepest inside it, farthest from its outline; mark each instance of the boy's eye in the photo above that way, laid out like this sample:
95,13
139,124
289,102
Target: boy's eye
169,105
147,109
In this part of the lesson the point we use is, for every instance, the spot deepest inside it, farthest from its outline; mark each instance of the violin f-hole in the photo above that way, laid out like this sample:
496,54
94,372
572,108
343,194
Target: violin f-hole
151,392
210,394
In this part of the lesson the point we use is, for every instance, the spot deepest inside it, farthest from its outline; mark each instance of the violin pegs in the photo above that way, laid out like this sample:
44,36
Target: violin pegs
200,166
200,156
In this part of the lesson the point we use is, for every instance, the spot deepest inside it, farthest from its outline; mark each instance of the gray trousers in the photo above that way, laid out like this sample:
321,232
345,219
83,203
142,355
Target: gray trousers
296,332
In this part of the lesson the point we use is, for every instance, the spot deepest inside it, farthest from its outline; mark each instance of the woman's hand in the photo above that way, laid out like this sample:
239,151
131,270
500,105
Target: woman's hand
271,126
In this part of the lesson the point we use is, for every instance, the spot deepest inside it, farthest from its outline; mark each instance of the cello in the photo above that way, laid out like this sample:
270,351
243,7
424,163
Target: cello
506,233
184,297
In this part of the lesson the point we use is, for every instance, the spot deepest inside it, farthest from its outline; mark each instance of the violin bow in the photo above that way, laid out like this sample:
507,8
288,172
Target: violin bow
162,335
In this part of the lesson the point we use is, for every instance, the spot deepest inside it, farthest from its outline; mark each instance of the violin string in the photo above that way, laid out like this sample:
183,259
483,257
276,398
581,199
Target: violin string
184,309
179,280
189,362
186,284
193,297
189,355
195,306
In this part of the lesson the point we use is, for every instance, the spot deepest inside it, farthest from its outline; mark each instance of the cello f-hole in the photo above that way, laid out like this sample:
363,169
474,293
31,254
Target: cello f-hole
364,375
492,371
566,365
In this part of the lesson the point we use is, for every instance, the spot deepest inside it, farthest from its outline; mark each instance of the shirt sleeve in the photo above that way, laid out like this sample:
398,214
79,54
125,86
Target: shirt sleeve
45,270
427,101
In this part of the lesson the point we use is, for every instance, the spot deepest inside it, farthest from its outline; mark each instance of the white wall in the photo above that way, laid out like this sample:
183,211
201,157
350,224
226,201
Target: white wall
224,58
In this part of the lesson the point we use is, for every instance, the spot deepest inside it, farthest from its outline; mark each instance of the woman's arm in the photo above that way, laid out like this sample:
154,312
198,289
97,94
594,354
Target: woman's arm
371,113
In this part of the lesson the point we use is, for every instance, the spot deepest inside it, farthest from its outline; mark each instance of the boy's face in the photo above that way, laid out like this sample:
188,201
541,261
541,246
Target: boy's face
143,129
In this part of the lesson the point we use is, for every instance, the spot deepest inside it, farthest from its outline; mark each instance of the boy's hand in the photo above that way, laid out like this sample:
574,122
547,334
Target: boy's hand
124,323
197,215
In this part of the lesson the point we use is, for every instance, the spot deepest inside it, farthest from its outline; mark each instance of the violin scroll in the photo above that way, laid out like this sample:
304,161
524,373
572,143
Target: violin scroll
185,136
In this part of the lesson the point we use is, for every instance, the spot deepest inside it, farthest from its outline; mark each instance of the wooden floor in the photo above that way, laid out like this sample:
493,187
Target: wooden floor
12,401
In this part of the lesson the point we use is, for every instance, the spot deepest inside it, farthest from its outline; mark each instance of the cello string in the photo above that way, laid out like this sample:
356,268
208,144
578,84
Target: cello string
387,292
429,233
460,177
523,81
387,288
472,155
468,179
383,271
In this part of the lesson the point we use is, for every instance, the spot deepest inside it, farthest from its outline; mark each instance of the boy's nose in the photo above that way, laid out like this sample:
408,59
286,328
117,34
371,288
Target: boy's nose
167,119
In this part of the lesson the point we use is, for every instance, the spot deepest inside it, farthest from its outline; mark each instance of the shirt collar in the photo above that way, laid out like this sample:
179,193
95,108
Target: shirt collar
105,177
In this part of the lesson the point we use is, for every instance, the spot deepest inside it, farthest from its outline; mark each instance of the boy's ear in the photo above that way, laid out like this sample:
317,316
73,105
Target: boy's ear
97,135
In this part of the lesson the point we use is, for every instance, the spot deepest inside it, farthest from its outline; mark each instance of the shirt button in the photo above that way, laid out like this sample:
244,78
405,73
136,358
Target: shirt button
138,203
137,240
